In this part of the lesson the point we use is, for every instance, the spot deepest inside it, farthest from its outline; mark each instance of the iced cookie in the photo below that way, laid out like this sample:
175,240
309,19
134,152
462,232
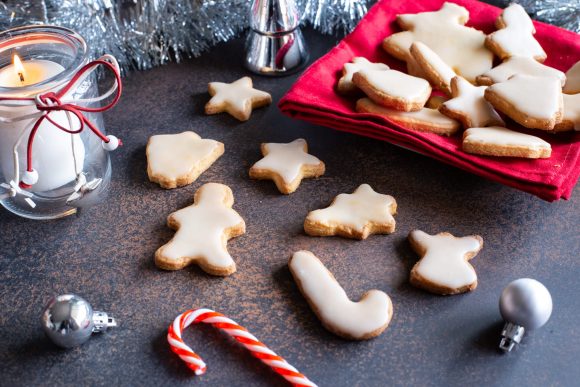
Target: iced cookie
533,102
435,69
176,160
287,165
237,98
360,320
572,85
461,48
435,101
425,120
571,118
345,85
498,141
518,65
515,35
356,215
394,89
444,267
468,105
202,232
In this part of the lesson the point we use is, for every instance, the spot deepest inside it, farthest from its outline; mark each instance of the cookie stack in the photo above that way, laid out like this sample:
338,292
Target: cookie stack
451,83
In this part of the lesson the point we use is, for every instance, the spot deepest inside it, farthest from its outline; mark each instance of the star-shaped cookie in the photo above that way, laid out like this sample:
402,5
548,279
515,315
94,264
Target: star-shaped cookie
461,48
237,98
345,84
444,267
468,105
356,215
202,232
176,160
286,165
515,35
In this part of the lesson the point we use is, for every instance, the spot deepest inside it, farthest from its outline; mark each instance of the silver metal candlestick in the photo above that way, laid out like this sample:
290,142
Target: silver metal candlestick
275,45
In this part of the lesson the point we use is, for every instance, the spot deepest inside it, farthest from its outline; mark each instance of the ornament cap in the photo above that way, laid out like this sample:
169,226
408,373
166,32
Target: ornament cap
511,335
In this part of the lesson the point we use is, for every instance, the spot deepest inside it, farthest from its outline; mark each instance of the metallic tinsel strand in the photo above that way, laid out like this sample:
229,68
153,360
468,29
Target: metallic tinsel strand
146,33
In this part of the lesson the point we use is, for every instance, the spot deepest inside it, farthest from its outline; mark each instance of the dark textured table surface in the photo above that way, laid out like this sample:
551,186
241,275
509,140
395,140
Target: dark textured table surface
106,256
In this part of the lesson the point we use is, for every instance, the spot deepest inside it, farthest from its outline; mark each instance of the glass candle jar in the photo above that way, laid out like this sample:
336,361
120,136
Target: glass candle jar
72,170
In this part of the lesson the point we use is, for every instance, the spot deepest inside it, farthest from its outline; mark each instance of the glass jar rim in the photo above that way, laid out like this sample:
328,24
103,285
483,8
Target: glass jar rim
65,35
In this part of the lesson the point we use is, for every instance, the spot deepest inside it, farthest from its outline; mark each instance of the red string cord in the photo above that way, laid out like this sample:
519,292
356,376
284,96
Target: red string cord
51,101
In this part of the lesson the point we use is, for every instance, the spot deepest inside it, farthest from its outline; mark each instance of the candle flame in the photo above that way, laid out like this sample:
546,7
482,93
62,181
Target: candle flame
18,67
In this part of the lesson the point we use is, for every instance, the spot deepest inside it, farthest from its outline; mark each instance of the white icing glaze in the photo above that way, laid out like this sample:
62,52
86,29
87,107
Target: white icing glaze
331,303
396,83
522,65
287,159
175,155
572,109
236,94
443,31
444,72
496,135
358,209
572,85
538,97
359,63
201,233
517,38
425,115
469,100
444,260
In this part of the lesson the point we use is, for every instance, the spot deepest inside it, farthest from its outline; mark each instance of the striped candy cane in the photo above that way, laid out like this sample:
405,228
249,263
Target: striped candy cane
241,334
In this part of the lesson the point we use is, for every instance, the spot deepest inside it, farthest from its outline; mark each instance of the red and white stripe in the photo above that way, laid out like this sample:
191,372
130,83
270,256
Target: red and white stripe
239,333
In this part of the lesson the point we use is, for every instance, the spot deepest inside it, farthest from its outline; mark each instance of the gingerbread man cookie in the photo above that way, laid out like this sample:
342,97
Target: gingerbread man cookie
444,267
237,98
572,85
356,215
498,141
469,106
287,165
434,68
571,118
176,160
424,120
345,85
533,102
202,232
518,65
360,320
515,35
394,89
461,48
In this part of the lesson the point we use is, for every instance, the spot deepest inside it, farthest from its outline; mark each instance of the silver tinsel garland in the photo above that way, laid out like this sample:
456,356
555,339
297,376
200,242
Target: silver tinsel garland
146,33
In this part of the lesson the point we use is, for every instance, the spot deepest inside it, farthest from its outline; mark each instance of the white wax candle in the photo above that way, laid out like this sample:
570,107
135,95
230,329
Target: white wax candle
52,151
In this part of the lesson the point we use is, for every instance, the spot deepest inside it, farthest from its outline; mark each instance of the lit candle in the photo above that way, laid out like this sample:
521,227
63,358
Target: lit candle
54,158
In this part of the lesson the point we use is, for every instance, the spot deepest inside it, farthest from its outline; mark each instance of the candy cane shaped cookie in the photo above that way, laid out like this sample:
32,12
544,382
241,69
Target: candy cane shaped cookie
239,333
360,320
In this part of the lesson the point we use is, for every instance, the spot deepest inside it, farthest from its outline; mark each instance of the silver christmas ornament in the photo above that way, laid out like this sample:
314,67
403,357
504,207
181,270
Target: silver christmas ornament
275,45
69,320
524,304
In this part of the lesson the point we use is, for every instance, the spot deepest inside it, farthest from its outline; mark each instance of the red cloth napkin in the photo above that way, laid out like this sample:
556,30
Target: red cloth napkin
313,98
